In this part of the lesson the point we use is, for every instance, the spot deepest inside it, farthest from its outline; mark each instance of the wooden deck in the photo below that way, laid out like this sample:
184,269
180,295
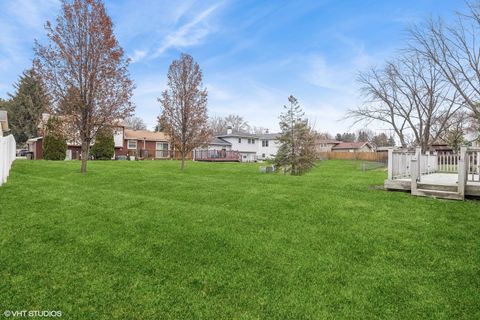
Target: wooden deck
452,176
446,182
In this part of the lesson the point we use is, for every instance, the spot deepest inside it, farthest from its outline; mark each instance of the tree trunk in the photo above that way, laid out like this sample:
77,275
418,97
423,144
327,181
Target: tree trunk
84,157
183,161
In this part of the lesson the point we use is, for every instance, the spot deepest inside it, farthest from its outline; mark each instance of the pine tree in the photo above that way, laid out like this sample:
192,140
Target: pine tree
296,154
26,106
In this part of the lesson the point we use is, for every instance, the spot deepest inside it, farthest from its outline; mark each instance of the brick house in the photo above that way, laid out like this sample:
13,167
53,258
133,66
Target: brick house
142,144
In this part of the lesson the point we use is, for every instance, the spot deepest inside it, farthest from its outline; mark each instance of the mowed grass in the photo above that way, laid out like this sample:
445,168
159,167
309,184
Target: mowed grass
142,240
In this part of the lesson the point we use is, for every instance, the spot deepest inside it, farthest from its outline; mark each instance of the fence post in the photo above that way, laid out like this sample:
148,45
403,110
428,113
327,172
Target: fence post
390,164
414,174
462,171
418,156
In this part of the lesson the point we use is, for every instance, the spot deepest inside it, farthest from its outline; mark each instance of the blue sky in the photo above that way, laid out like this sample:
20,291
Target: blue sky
253,54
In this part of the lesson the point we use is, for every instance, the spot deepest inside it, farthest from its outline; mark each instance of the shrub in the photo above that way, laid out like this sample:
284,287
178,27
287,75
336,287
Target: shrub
104,147
54,142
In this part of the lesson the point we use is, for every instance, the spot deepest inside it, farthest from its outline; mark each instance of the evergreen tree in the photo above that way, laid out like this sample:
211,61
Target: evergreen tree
455,138
297,153
25,107
391,142
104,147
54,142
380,140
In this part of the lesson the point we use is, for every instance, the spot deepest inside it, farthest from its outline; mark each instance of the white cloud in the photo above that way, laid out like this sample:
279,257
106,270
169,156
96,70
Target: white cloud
190,33
328,76
138,55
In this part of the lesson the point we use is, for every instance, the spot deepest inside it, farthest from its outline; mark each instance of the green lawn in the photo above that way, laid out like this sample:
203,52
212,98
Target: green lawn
142,240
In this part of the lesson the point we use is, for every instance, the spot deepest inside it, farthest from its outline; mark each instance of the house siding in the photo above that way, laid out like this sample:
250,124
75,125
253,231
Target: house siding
267,152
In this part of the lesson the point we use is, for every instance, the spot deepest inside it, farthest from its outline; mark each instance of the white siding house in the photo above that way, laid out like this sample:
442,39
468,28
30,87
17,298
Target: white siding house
251,147
245,143
267,146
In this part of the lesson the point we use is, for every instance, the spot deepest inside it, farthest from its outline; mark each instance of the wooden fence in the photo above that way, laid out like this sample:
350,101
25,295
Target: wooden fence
7,155
364,156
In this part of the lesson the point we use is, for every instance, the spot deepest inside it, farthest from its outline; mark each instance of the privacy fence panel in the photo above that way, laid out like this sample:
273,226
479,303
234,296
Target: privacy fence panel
7,156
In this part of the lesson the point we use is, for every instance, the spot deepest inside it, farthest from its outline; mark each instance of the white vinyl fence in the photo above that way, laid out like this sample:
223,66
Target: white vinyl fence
7,155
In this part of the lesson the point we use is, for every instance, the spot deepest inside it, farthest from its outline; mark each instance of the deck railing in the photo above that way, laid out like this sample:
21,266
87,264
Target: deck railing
7,156
399,162
406,164
448,162
473,164
216,155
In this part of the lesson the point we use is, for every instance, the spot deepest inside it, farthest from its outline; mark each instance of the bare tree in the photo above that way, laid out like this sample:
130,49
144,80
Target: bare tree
258,130
411,96
84,66
455,50
218,124
238,123
324,136
184,106
235,122
135,123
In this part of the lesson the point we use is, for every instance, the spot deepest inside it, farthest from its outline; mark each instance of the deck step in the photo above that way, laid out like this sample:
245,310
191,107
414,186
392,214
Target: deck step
439,187
439,194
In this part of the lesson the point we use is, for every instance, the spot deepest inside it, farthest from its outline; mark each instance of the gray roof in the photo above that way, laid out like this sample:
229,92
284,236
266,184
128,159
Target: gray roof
269,136
237,135
219,142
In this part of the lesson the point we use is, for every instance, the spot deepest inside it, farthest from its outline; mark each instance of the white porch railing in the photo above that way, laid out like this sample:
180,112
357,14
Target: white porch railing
399,164
7,156
448,162
473,164
413,166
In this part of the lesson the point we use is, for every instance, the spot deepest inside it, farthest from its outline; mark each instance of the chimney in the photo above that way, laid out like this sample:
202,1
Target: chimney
266,130
229,130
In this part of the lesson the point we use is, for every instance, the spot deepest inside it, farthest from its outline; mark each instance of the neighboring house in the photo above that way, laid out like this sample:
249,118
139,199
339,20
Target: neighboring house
353,147
144,144
35,147
239,146
133,143
218,144
440,146
245,143
3,122
268,145
326,145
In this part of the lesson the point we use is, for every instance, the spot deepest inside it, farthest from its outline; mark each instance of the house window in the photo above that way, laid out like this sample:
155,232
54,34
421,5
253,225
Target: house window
132,144
239,140
264,143
161,150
